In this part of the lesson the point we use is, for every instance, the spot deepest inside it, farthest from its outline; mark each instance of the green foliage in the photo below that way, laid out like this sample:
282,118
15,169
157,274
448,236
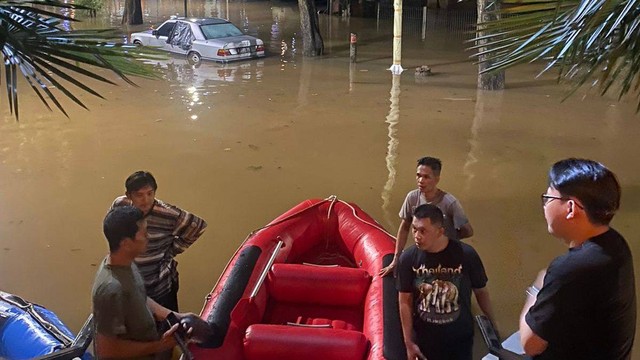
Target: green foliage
595,42
49,57
96,5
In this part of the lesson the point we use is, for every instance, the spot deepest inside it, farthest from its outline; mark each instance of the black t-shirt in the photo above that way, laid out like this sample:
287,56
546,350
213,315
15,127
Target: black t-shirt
441,284
586,308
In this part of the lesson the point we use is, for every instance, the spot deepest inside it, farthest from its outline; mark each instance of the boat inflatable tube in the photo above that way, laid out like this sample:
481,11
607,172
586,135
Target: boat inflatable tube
23,338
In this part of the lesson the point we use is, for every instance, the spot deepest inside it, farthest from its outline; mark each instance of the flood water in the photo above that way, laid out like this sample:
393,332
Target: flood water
239,144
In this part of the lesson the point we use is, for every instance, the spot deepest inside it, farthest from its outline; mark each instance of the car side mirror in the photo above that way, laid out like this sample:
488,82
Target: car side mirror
154,33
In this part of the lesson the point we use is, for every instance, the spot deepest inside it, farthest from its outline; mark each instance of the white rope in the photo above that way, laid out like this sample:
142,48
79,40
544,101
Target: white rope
333,199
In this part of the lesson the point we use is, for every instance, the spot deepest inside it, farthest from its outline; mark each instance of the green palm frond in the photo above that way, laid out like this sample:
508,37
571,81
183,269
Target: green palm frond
595,42
33,42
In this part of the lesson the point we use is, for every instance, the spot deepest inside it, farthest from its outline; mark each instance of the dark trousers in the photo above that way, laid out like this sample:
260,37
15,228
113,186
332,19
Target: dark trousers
170,301
447,350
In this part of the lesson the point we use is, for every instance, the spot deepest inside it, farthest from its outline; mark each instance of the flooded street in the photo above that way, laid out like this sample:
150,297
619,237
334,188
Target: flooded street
241,143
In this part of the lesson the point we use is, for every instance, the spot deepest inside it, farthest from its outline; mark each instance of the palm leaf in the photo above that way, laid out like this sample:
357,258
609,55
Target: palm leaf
50,57
595,42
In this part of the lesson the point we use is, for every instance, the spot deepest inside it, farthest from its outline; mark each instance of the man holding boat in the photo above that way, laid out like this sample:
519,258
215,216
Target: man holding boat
125,318
456,224
435,280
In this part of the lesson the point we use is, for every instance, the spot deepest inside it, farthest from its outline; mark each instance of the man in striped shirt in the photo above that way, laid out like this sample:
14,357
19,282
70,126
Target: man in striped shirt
170,230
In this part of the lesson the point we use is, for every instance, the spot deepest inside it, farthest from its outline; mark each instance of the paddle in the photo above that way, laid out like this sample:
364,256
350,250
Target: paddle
246,311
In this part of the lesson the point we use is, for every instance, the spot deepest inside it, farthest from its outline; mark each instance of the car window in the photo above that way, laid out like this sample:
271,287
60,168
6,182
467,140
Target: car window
214,31
166,28
181,35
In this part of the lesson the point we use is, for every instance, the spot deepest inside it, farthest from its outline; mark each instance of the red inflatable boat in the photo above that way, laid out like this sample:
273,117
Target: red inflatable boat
306,287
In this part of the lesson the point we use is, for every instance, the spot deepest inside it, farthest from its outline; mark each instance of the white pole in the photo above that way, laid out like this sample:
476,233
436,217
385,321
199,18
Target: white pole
424,22
396,68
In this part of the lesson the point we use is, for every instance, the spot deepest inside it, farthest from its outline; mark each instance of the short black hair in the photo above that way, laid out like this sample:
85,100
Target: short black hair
140,179
431,212
434,163
120,223
592,183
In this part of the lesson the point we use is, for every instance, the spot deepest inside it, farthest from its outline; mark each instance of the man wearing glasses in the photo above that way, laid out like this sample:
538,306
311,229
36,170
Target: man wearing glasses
583,306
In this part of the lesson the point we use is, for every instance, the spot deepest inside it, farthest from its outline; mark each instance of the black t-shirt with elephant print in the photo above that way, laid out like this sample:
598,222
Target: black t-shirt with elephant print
441,284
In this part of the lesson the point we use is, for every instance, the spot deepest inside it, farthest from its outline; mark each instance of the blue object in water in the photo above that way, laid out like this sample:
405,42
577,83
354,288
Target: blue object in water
28,330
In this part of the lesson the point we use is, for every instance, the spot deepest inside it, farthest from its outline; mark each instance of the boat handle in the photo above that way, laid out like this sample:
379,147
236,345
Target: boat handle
265,271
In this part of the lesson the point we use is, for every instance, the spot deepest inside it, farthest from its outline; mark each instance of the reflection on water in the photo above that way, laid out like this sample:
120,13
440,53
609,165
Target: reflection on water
197,86
392,148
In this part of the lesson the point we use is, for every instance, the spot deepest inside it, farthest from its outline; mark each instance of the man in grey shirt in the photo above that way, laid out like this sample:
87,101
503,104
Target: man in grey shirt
456,224
124,316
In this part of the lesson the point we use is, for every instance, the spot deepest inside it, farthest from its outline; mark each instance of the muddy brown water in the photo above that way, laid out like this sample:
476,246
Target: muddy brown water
241,143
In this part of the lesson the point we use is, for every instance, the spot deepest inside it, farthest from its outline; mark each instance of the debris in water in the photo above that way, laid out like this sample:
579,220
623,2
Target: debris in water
423,70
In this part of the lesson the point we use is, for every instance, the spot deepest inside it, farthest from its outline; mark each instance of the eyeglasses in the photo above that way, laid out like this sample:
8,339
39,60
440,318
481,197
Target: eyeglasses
546,199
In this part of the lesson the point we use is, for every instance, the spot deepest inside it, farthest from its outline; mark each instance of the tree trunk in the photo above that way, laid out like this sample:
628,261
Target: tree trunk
132,14
312,44
494,80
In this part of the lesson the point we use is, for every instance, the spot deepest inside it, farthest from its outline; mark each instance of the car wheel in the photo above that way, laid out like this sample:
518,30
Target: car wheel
137,42
194,58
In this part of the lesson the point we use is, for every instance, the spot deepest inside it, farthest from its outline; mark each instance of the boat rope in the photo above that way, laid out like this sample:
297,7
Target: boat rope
332,199
363,220
28,307
250,235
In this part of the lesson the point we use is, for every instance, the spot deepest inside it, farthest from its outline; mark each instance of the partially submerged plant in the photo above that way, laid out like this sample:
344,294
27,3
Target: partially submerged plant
594,42
50,57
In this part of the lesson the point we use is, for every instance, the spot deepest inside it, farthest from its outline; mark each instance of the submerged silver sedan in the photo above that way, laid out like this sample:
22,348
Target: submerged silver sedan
210,38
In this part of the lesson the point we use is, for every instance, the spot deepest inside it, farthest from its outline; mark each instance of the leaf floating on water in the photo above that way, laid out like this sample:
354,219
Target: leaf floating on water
227,149
76,249
255,168
253,147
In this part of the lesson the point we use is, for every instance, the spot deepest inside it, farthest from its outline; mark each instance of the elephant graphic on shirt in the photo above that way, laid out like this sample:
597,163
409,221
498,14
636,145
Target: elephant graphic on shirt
444,296
426,293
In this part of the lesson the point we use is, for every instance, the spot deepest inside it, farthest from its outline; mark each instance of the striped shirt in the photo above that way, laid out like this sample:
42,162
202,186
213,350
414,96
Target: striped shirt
170,231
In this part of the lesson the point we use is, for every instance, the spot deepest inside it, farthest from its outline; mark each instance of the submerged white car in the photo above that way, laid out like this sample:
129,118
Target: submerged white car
210,38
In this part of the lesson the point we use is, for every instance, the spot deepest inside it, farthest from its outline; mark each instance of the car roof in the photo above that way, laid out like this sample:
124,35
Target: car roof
202,21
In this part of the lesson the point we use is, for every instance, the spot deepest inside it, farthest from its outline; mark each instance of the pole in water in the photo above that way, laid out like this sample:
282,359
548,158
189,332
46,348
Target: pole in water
185,8
424,22
353,47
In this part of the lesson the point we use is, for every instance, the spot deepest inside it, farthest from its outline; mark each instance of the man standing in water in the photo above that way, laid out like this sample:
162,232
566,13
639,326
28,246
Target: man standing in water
456,224
170,230
123,314
584,306
435,281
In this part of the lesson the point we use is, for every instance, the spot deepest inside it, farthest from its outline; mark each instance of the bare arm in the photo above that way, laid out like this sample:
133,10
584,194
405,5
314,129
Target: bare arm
401,241
159,312
484,301
465,231
113,347
405,301
531,343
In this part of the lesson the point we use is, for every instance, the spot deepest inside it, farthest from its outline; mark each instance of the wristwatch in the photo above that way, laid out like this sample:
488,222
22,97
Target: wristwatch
532,291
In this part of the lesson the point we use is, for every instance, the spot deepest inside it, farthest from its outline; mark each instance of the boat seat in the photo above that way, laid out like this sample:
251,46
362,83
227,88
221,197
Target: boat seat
308,284
323,322
283,342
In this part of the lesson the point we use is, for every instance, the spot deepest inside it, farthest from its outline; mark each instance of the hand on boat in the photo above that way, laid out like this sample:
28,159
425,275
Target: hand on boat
413,352
168,341
194,328
387,270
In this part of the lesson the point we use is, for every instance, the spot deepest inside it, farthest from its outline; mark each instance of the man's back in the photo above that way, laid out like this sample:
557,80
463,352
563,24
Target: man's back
588,307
